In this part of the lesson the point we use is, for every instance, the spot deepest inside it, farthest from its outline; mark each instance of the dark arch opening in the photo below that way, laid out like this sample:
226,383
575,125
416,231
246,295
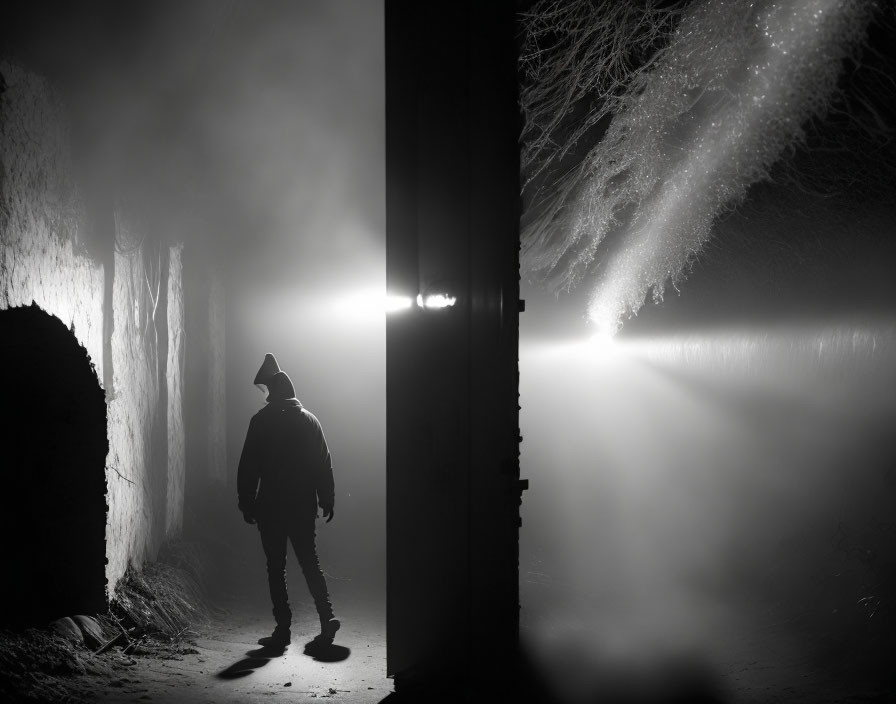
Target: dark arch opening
54,445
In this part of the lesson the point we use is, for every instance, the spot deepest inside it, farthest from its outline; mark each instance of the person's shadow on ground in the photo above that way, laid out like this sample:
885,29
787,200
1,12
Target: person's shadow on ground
326,651
255,659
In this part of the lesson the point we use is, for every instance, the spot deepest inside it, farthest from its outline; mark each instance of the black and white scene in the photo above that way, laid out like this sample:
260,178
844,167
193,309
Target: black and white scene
391,351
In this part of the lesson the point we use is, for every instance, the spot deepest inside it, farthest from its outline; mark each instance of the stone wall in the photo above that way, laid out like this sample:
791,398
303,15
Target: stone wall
135,468
42,215
44,224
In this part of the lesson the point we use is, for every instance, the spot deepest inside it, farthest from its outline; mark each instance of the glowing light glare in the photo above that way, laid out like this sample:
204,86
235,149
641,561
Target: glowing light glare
372,305
599,350
436,300
367,305
839,355
601,343
394,304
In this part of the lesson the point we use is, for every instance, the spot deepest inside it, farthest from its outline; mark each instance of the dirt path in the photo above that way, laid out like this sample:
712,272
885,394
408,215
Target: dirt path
230,666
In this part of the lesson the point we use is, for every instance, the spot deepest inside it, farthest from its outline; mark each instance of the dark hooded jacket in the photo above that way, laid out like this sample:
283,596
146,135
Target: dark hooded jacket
285,469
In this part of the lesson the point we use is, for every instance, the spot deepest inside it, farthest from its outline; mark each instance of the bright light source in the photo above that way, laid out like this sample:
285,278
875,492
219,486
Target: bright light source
370,305
436,300
601,343
396,303
366,305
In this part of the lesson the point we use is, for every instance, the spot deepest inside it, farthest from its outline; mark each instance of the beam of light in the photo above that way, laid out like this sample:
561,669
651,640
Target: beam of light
601,344
771,91
828,357
396,303
726,100
372,304
363,305
831,356
435,300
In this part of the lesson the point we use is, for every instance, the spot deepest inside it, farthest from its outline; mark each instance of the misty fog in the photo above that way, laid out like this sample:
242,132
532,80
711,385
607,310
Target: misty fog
256,132
711,490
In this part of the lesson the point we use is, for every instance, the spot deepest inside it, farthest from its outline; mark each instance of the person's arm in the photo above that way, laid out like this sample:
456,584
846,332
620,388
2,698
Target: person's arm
248,474
326,491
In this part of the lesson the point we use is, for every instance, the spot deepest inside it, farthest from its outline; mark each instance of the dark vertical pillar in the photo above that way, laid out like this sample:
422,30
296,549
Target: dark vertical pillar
494,207
452,210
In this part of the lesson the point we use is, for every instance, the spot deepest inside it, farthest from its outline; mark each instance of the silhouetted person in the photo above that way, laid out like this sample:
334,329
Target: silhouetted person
284,474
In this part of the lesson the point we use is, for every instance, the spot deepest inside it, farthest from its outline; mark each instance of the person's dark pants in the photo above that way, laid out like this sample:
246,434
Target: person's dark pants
300,532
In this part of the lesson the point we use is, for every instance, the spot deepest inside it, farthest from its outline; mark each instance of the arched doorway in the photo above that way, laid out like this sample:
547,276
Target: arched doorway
54,444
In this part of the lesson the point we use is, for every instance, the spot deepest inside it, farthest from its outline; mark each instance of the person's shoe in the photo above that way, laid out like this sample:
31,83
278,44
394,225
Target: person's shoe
328,629
280,638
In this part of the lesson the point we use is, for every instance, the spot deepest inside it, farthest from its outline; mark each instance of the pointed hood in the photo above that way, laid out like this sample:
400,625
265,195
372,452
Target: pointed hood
280,387
267,370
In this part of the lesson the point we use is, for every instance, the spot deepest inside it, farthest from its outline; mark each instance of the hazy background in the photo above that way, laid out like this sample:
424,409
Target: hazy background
254,131
724,473
712,493
306,127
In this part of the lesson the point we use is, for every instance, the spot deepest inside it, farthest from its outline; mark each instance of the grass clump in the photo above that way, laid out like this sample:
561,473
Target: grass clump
163,599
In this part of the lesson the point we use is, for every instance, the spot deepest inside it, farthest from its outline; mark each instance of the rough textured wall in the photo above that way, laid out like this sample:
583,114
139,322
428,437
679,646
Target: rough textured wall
217,416
42,214
175,380
42,229
137,474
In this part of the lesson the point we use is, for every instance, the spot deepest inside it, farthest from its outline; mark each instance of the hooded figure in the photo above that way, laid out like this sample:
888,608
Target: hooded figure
284,474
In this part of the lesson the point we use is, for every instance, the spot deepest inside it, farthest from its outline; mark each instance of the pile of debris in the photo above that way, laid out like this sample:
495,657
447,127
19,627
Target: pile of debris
154,609
152,613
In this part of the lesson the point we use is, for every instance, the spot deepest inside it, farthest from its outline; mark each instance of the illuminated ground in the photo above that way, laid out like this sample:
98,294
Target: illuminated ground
749,661
228,666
